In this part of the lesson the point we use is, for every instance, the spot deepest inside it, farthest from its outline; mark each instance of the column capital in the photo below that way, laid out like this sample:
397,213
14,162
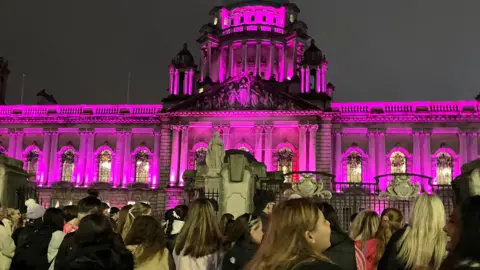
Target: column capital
313,128
303,127
427,132
259,128
417,132
268,128
175,127
183,127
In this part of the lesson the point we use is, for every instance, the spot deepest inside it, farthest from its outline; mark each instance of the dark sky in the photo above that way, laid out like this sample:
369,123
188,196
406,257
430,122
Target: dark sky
82,51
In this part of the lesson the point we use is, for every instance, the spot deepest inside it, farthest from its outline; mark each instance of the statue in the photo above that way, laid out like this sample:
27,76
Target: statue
215,155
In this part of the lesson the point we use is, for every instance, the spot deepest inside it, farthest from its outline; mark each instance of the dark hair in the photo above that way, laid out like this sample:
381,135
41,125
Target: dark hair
70,212
262,198
146,232
89,205
94,229
181,211
331,215
224,220
54,219
168,215
122,217
104,206
214,204
93,192
352,217
114,210
240,231
469,230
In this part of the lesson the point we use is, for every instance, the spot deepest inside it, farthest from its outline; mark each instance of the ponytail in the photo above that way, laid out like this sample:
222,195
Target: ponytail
391,221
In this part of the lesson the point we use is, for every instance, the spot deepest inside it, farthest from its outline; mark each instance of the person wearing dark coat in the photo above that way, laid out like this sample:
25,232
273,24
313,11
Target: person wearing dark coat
342,248
389,260
264,201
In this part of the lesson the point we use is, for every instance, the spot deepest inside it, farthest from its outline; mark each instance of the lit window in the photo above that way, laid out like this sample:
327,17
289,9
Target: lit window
225,21
398,162
142,167
354,167
32,162
285,162
68,164
215,21
444,169
200,90
104,166
200,155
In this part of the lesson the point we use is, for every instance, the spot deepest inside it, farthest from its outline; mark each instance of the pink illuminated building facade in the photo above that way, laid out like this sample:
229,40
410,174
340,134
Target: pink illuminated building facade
261,83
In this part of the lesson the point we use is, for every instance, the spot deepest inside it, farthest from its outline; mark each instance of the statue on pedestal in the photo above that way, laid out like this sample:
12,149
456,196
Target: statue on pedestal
215,156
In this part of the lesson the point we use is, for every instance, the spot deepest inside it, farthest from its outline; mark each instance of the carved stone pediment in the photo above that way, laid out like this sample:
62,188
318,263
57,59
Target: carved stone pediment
308,187
401,188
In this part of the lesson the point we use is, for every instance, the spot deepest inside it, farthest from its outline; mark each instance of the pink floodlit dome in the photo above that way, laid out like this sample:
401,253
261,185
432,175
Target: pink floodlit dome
227,3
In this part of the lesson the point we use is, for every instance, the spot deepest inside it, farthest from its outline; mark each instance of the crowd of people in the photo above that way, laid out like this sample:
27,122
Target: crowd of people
295,234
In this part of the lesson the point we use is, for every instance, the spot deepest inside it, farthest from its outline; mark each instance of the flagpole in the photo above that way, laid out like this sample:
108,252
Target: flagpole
23,88
128,88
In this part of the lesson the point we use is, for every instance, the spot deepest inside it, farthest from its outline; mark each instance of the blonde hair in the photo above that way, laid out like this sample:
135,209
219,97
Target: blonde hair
364,226
200,235
424,242
138,210
284,245
391,221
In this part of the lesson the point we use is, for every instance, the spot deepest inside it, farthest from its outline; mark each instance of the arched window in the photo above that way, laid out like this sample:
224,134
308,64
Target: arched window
200,155
68,164
285,161
354,167
104,166
444,168
244,148
32,161
142,166
398,162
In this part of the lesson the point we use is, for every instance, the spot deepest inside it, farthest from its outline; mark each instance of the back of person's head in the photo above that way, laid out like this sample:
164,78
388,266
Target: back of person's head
241,227
70,212
94,229
88,205
364,226
299,230
122,217
178,213
105,209
226,218
113,211
200,236
169,215
214,204
181,212
264,200
54,219
391,221
331,215
147,233
424,242
138,210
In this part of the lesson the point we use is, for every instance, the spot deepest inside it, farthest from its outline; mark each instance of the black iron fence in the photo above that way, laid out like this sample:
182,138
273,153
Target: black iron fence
24,193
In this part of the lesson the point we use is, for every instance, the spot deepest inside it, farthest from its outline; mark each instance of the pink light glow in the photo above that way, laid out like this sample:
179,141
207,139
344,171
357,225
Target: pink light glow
96,164
252,15
134,164
40,174
456,163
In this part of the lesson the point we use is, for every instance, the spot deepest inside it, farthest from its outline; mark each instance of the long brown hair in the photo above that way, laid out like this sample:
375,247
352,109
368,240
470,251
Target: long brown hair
122,217
391,221
284,246
138,210
147,234
364,226
200,235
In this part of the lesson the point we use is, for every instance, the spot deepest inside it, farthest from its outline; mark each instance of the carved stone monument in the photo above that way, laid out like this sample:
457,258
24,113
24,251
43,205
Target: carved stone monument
12,177
401,188
307,187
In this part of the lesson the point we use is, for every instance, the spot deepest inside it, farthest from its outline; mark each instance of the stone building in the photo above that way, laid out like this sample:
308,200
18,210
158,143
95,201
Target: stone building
261,83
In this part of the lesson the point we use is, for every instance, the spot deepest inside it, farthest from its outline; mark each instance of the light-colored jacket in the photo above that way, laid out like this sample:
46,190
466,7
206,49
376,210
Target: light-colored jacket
157,262
7,249
57,238
208,262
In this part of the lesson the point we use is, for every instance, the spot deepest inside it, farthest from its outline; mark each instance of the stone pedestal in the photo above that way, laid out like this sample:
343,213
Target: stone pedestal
13,179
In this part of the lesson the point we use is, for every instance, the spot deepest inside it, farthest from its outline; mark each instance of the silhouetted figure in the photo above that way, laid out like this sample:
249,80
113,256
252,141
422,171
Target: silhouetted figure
4,72
45,99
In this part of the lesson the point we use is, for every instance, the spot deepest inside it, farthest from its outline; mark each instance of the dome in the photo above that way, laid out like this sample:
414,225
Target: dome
313,55
184,58
228,3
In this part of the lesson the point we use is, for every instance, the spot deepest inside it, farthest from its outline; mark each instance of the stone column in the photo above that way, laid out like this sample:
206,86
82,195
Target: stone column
463,147
89,163
156,157
175,155
325,146
312,154
381,155
54,170
226,137
338,157
209,59
268,148
271,58
45,158
473,146
258,58
183,154
231,59
12,143
82,152
176,83
127,159
283,67
417,154
119,156
307,79
19,145
258,143
302,148
372,161
294,59
426,155
244,58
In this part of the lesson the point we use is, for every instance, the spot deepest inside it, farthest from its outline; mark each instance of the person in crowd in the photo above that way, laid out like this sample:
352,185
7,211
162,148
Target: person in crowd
246,234
372,249
105,209
7,248
146,240
122,218
138,210
264,202
114,214
11,219
421,245
364,226
226,218
96,247
199,243
342,248
174,224
70,213
34,222
463,231
297,237
39,248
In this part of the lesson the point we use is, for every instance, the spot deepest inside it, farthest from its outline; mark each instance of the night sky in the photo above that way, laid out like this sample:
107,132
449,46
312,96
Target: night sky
82,51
